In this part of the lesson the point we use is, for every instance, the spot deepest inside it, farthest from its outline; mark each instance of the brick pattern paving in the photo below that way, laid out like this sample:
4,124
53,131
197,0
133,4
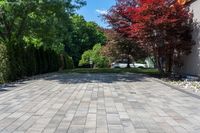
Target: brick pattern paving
97,103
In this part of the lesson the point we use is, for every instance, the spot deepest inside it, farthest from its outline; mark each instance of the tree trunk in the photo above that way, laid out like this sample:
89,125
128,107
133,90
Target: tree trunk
158,61
128,62
62,62
159,64
169,64
160,68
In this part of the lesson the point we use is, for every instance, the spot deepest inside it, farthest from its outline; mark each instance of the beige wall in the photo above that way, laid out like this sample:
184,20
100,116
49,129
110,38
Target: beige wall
192,62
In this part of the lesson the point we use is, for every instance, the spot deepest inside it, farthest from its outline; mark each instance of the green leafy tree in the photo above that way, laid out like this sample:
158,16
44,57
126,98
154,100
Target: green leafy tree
95,56
84,36
37,22
34,33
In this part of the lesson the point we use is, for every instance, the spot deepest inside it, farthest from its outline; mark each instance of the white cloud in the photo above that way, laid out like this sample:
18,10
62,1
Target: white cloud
102,12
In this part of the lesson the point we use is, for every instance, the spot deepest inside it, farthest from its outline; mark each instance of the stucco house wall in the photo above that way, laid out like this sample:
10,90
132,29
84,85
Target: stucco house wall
192,61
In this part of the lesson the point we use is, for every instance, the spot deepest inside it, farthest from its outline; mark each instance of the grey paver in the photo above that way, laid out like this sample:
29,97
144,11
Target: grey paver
97,103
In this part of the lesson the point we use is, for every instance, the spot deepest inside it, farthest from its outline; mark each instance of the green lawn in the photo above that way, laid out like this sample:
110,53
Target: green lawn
152,72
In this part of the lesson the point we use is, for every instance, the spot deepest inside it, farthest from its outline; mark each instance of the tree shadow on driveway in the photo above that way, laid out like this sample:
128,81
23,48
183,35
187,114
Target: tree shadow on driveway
75,78
97,78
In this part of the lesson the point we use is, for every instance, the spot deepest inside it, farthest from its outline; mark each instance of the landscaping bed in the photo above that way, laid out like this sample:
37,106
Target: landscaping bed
185,84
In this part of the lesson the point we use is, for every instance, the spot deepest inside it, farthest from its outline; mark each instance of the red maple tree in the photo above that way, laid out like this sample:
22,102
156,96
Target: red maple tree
160,27
118,47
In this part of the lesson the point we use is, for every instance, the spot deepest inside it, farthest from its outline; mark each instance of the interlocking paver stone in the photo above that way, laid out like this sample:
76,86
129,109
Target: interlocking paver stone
97,103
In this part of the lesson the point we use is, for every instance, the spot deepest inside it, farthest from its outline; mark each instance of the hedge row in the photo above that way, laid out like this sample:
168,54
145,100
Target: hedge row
17,61
3,64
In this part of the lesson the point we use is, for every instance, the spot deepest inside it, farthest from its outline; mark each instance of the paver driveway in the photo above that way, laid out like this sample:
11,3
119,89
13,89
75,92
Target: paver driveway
100,103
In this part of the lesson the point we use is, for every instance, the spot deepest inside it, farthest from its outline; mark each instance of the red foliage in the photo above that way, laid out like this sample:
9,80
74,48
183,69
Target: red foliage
157,25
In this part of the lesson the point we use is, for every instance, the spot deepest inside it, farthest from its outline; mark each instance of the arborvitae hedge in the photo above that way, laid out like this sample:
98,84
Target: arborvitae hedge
4,69
18,61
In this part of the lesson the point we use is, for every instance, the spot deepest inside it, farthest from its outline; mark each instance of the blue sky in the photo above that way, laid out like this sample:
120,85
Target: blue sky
94,8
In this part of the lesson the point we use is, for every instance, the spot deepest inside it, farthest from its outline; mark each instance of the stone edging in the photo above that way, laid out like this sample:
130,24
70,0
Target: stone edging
186,91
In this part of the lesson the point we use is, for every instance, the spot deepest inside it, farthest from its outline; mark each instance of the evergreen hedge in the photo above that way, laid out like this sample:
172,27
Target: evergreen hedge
3,64
18,61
